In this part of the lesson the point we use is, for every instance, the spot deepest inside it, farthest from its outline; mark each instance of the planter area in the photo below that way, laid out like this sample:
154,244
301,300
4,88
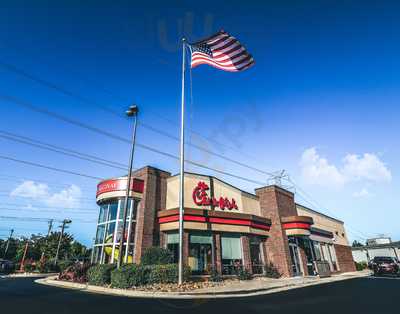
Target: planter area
156,273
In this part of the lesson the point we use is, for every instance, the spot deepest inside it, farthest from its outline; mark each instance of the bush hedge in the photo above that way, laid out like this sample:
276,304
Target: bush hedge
130,275
100,274
215,276
64,264
361,266
29,267
156,256
167,273
47,266
243,274
76,273
271,271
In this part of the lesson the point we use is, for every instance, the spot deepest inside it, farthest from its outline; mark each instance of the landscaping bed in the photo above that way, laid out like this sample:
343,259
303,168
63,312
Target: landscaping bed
155,273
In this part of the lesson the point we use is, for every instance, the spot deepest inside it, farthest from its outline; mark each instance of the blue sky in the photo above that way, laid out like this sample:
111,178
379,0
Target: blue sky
321,101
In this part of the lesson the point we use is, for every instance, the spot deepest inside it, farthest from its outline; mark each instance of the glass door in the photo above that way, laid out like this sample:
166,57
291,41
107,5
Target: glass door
294,256
200,253
200,258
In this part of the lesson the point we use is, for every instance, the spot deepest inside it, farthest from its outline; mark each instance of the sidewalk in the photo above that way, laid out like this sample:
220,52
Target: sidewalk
257,286
27,275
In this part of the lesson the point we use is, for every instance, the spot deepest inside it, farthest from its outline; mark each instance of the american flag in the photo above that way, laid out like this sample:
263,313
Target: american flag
222,51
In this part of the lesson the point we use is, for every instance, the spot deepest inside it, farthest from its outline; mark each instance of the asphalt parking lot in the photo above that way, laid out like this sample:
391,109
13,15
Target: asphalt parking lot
361,295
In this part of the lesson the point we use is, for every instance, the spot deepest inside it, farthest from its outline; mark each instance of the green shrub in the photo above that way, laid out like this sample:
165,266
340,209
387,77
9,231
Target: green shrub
130,275
156,256
243,274
100,274
166,273
215,276
47,266
271,271
28,267
64,264
361,266
76,273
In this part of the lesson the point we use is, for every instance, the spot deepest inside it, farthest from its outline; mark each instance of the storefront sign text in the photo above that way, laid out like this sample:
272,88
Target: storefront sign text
201,198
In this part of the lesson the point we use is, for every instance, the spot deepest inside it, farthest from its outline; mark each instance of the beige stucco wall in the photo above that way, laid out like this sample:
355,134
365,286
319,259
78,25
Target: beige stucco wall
247,203
326,223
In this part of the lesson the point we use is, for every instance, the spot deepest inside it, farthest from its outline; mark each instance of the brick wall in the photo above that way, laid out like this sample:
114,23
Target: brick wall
246,252
218,252
344,258
275,203
153,200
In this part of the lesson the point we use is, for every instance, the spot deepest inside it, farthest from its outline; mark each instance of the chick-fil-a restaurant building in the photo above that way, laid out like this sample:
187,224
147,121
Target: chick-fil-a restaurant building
224,227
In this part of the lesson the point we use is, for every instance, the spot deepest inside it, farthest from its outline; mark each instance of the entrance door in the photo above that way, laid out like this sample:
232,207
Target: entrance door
255,255
200,258
294,255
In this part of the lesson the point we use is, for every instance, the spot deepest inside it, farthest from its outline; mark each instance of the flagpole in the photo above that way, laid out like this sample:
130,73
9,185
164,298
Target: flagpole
182,166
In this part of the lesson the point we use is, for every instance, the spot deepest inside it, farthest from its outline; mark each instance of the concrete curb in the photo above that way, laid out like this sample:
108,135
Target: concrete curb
288,285
27,275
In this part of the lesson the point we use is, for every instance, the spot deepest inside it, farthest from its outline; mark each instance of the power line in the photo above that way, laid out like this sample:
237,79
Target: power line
50,207
41,219
87,101
50,168
116,137
52,183
60,150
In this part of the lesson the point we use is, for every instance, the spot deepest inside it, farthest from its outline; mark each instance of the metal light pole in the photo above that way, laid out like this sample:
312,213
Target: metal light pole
131,112
182,167
65,222
8,242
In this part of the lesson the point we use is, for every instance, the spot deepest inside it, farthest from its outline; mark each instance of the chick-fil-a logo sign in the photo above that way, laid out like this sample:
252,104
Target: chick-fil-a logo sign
201,198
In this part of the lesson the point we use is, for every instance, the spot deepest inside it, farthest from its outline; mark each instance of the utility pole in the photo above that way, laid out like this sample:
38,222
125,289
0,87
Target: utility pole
48,234
22,267
132,112
64,223
8,243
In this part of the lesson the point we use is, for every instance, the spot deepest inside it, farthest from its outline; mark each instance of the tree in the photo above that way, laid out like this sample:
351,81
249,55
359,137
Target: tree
357,244
69,249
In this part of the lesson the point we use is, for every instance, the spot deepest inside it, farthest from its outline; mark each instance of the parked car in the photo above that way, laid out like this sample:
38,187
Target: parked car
6,266
385,265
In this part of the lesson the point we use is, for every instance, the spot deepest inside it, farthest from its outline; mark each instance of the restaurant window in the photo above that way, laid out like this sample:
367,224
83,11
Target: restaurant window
231,254
109,231
200,253
173,245
317,251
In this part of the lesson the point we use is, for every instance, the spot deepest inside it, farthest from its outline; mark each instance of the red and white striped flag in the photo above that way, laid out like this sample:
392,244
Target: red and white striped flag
222,51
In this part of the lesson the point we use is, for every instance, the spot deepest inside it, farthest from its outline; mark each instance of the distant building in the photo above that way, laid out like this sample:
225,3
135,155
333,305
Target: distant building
376,247
379,240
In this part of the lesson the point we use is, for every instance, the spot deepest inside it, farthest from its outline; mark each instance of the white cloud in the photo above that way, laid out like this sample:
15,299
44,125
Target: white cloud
317,170
362,194
66,198
368,166
30,189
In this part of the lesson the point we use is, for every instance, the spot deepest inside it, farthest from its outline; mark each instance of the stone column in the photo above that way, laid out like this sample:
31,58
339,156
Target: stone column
275,203
246,253
218,252
153,200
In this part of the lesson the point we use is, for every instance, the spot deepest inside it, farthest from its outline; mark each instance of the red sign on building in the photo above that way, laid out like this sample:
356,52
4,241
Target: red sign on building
201,198
119,185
